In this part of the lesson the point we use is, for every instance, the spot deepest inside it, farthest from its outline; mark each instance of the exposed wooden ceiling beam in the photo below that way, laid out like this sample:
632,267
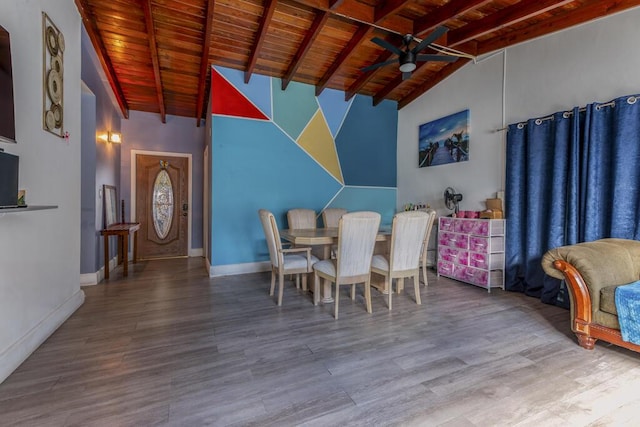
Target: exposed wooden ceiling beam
366,76
153,47
388,8
94,34
204,59
267,15
591,9
359,12
437,78
363,32
305,46
510,15
444,13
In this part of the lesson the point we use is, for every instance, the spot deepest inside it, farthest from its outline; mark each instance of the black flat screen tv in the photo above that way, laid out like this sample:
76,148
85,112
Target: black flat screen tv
7,116
8,180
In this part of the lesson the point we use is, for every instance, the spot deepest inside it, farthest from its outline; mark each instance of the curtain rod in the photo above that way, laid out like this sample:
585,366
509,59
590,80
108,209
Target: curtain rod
567,114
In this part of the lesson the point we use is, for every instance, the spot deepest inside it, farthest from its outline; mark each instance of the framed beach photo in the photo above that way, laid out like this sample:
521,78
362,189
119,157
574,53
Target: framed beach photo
445,140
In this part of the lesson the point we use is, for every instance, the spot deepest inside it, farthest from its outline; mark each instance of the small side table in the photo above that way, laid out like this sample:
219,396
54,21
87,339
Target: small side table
123,231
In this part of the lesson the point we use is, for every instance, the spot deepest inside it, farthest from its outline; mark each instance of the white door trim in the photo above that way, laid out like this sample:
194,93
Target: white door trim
132,211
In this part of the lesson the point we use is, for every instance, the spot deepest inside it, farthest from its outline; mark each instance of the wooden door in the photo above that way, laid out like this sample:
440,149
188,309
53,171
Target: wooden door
162,209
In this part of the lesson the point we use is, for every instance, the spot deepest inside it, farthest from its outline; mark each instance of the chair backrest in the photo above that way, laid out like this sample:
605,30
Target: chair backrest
331,216
301,218
272,235
357,233
427,234
407,237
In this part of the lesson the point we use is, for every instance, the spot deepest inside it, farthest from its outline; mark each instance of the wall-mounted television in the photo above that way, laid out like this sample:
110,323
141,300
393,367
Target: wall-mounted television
7,116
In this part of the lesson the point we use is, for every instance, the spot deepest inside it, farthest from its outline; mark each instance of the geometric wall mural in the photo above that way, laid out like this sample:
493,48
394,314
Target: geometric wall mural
279,150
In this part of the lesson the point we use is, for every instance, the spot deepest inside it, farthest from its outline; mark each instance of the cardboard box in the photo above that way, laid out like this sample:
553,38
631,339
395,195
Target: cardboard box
491,215
494,209
494,204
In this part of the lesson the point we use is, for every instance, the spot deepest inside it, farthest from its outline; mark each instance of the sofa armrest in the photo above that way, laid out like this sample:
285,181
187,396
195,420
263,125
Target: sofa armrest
581,301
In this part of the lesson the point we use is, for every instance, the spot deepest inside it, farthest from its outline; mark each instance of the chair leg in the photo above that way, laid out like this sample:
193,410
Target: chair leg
400,285
273,282
389,286
416,287
367,294
316,289
353,292
297,281
280,288
304,282
335,308
424,274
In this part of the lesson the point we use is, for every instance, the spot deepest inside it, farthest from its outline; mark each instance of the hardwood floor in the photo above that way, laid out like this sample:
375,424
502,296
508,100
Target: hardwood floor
170,346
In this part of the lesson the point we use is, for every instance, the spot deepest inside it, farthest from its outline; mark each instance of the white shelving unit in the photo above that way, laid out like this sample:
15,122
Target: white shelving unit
472,251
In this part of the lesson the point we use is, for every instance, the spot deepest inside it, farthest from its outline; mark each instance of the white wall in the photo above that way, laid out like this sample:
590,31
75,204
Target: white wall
593,62
40,251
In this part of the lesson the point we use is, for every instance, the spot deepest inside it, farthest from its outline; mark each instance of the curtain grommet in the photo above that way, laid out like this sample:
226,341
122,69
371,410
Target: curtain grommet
538,121
631,100
566,115
520,126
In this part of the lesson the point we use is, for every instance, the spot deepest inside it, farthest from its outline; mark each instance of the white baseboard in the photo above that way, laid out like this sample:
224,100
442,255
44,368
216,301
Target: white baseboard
18,352
89,279
197,252
231,269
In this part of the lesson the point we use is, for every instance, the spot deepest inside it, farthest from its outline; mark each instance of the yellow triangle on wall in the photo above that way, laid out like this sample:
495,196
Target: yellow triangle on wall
318,142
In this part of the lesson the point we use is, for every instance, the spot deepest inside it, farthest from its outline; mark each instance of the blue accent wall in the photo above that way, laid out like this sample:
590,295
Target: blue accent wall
366,143
258,164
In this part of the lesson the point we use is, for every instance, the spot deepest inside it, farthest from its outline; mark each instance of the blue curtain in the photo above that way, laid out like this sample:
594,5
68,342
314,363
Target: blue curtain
571,177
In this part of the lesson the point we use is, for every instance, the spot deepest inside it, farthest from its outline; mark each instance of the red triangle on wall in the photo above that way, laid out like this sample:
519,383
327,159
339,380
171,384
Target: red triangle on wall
229,101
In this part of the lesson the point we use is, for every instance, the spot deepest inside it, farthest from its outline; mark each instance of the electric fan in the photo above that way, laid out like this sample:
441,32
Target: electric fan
452,199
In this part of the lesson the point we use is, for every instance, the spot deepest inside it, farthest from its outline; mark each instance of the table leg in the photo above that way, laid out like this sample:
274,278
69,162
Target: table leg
135,246
125,254
106,257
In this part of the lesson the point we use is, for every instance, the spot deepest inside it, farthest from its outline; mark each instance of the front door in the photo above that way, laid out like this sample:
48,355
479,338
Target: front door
162,208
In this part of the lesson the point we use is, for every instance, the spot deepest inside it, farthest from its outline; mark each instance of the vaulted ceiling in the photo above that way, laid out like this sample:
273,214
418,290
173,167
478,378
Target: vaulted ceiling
157,54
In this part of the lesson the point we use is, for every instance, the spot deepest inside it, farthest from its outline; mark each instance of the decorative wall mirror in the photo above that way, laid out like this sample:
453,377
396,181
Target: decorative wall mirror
109,205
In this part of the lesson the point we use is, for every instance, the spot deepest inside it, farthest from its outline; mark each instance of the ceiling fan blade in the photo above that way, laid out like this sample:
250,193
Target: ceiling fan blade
435,35
442,58
405,76
385,44
378,65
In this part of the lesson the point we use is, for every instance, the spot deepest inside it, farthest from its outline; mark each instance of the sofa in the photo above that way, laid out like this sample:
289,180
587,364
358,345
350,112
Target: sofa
592,272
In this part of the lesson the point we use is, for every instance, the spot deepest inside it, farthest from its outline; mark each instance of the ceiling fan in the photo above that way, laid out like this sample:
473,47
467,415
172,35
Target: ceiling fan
407,56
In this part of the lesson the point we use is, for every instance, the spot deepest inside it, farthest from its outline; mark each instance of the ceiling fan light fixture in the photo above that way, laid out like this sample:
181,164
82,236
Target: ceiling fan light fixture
407,67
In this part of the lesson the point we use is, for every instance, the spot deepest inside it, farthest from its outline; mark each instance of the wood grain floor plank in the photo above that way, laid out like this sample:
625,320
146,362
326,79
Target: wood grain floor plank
170,346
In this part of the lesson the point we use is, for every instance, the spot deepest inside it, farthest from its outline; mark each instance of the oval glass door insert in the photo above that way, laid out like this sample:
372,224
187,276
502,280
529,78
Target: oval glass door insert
162,204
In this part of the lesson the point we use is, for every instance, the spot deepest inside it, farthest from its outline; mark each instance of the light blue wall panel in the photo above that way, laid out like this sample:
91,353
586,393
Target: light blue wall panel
255,165
258,90
366,143
334,108
381,200
294,107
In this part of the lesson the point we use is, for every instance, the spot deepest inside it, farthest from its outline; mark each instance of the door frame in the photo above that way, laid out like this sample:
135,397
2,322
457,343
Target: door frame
132,203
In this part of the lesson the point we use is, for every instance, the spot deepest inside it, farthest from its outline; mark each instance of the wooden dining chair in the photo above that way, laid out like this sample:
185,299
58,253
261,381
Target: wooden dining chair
407,237
357,233
301,218
425,244
330,217
298,261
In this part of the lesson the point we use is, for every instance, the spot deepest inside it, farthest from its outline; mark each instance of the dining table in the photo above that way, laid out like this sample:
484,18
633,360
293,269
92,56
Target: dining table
325,238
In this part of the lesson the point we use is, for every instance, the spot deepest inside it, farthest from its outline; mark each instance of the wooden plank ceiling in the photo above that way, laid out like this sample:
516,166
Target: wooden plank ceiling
157,53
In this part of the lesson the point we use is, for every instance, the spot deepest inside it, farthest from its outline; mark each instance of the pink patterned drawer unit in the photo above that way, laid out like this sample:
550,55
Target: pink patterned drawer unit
446,224
472,251
445,268
454,255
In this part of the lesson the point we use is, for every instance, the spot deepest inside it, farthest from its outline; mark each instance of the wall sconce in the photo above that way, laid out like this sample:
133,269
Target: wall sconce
112,137
115,137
